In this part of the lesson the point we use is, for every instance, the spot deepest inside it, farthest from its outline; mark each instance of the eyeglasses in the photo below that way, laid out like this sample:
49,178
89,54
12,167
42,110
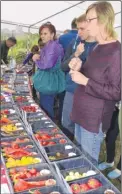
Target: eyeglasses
89,20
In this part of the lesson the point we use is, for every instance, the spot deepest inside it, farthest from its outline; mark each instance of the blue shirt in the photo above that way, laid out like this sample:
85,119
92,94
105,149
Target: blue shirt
65,39
88,47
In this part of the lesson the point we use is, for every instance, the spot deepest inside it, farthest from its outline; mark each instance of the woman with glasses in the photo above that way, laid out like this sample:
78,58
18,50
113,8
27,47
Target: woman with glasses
99,80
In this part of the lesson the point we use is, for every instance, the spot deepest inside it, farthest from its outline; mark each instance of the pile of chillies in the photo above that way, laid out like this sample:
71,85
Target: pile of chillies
29,108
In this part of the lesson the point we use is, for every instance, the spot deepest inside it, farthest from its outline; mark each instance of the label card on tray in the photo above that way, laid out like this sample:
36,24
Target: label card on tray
5,189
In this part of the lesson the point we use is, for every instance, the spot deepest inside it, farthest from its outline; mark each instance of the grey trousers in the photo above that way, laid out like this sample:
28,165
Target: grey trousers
67,109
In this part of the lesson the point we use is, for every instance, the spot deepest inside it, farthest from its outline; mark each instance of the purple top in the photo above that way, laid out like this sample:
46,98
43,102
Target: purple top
95,102
28,57
49,55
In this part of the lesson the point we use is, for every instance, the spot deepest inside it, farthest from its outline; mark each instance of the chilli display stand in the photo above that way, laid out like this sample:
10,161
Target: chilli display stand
35,150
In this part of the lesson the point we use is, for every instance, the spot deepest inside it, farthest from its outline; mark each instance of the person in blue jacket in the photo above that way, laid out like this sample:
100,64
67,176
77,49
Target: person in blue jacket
80,47
34,50
66,38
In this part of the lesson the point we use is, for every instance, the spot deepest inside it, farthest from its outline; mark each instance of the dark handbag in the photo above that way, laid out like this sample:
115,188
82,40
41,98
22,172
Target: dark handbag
50,81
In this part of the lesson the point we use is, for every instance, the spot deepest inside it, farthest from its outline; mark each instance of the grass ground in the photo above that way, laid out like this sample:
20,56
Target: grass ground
117,157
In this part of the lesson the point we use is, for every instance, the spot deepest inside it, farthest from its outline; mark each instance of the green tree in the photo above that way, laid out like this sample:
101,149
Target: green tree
20,50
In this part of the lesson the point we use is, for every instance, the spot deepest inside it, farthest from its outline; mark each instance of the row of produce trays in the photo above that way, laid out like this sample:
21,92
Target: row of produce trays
55,146
36,179
85,176
81,176
20,151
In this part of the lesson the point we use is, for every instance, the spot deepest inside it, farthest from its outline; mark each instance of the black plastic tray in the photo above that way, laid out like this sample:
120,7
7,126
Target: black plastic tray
13,116
50,131
81,165
102,179
15,134
30,149
41,179
6,106
37,156
38,167
53,136
52,150
42,125
26,93
31,143
57,142
104,188
10,114
11,139
22,94
48,190
15,121
20,104
35,114
21,89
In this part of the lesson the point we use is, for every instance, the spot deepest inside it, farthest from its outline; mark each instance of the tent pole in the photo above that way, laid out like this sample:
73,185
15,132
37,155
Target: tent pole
58,13
28,40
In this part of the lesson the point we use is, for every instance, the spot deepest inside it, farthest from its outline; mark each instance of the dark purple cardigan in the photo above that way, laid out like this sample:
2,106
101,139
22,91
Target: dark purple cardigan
94,103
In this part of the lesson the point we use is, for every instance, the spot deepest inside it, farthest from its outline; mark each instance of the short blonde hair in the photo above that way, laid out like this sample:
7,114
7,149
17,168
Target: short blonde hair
81,18
105,14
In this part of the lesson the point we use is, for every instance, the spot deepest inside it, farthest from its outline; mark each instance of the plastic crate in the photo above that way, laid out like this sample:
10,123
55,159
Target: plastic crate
52,150
44,189
81,165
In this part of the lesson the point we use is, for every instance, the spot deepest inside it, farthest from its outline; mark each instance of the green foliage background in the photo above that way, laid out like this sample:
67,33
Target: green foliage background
20,50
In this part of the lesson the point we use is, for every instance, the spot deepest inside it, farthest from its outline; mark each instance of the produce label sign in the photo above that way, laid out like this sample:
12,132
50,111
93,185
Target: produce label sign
5,189
4,183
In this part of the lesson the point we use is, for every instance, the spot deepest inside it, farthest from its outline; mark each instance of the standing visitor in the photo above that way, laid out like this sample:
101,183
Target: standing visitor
99,80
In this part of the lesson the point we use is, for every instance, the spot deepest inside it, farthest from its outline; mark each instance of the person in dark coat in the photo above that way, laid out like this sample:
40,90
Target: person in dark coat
65,40
5,46
81,46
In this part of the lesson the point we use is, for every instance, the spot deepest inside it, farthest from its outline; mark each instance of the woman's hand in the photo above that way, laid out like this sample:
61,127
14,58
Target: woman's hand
75,64
78,77
36,57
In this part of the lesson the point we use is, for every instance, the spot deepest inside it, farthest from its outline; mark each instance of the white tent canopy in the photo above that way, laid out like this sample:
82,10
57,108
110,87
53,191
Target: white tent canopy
30,12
